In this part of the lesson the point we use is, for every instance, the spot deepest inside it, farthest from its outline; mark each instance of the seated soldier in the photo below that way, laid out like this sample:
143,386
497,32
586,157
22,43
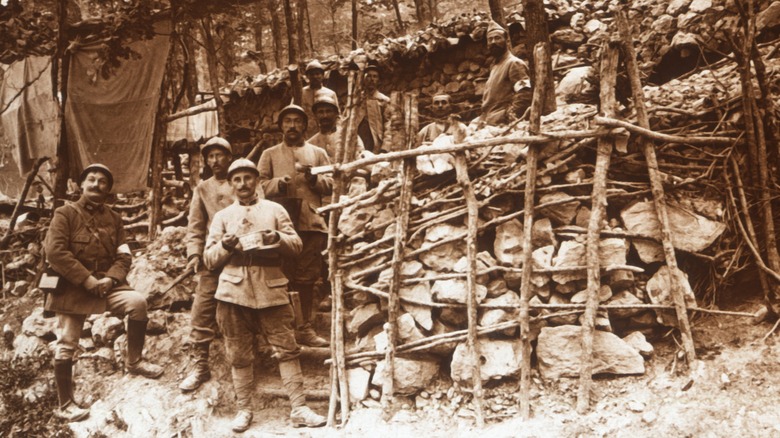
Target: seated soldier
86,247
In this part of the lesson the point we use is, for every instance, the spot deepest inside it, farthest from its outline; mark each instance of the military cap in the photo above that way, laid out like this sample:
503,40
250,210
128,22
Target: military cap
216,142
97,167
242,164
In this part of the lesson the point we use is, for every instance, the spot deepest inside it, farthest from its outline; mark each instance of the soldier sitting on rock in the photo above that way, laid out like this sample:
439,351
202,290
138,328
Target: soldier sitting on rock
246,240
86,247
443,123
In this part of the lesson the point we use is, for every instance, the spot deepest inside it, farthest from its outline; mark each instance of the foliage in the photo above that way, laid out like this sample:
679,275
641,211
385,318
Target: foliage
26,31
24,416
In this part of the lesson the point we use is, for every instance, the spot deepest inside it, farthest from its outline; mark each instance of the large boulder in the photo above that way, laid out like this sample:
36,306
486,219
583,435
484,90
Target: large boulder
559,214
28,346
455,291
508,244
659,289
559,352
442,258
37,325
570,254
363,318
498,359
106,328
420,292
496,316
411,375
691,232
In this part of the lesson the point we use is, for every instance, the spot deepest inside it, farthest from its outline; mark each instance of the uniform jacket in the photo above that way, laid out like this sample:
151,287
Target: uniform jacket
499,88
432,130
373,109
209,197
279,161
257,287
331,141
85,239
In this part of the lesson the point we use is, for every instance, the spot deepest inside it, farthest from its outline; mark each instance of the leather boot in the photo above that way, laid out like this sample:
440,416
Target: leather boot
305,334
201,372
292,379
243,384
134,362
68,410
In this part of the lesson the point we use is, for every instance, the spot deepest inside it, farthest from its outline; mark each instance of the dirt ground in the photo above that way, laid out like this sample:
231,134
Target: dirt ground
732,392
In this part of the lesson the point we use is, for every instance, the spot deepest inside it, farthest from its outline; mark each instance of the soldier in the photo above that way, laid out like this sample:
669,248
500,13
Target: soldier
442,123
326,110
285,173
86,247
252,293
500,102
371,114
209,197
315,73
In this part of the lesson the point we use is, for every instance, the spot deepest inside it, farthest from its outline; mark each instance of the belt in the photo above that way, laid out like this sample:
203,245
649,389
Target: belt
249,259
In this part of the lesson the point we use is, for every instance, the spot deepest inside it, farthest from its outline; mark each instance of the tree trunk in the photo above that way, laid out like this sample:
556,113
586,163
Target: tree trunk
401,26
276,32
211,60
63,160
354,24
497,14
300,17
537,32
423,10
292,41
190,63
258,30
228,55
308,27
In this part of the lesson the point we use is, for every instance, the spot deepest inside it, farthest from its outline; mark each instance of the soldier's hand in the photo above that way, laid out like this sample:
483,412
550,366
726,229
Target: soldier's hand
284,183
105,285
229,241
193,263
270,237
91,285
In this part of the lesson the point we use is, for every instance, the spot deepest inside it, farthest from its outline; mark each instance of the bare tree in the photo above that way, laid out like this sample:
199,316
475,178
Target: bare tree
292,40
497,13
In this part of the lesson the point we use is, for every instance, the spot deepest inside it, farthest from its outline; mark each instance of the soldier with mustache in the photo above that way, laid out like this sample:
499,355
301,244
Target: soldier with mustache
285,172
86,246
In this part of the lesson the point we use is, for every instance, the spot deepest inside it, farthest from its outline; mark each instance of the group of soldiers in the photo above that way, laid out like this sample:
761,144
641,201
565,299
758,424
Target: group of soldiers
248,250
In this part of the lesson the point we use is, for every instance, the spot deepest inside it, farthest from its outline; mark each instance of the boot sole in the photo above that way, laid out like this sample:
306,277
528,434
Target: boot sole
74,419
200,382
298,424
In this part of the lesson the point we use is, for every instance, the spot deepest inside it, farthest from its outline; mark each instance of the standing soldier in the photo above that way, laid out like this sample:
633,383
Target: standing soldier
285,172
315,73
209,197
252,293
371,114
326,111
500,102
86,247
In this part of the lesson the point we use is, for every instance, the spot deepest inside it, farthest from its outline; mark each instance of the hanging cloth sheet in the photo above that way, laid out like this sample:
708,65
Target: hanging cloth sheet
196,127
31,122
111,120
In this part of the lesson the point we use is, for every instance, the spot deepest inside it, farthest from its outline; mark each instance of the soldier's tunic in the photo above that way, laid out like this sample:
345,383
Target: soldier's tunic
209,197
499,89
86,239
252,292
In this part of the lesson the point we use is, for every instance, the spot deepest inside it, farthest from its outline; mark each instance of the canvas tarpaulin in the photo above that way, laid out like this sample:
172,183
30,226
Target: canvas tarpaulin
31,120
111,120
202,125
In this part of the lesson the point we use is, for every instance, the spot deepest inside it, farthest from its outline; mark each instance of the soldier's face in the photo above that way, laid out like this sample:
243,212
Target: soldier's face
326,117
315,77
441,106
244,183
218,161
293,127
496,44
371,80
95,187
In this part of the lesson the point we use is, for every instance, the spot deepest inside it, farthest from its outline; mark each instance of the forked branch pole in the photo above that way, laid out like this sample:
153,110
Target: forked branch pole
609,60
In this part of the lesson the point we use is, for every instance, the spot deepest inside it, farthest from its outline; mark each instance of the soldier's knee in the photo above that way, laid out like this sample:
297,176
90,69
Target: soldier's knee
136,306
65,350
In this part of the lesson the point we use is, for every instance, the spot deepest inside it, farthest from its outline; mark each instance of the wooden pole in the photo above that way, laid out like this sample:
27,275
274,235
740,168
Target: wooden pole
158,148
22,197
462,175
676,276
609,60
63,165
537,106
339,381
